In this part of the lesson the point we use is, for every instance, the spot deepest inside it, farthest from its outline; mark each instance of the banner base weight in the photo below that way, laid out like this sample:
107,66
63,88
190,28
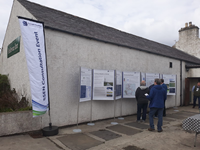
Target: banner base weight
50,131
77,130
114,123
90,124
120,118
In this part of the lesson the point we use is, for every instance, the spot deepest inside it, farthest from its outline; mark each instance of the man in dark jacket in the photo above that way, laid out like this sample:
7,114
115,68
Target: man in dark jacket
142,101
196,92
157,96
164,86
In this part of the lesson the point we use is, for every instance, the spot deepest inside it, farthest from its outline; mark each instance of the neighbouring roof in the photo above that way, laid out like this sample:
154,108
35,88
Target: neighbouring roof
65,22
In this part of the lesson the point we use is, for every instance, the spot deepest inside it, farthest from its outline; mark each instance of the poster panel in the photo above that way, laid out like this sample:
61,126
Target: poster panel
85,84
150,77
118,93
131,81
34,45
170,81
103,84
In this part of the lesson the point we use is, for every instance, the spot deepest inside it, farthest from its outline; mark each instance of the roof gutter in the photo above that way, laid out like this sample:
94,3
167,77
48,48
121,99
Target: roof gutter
191,66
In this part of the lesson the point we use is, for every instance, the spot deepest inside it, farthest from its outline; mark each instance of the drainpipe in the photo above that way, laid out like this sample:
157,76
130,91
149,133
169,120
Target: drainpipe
181,85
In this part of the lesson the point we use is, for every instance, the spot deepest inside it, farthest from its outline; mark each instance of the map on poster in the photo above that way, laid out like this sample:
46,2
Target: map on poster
103,84
118,90
86,82
150,77
131,81
170,81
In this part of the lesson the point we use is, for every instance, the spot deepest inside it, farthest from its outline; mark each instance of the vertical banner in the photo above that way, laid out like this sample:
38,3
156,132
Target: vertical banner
118,90
170,81
150,77
131,81
86,83
103,84
34,45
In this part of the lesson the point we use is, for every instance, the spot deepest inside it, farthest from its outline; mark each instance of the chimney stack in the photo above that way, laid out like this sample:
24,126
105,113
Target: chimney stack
186,25
190,24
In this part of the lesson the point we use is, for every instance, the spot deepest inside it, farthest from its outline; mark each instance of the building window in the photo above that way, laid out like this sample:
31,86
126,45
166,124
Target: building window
170,64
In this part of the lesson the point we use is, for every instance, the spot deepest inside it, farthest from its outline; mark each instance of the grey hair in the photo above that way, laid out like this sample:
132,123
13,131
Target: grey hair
142,83
158,81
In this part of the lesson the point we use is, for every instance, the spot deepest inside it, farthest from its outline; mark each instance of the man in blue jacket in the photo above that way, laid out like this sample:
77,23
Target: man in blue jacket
157,96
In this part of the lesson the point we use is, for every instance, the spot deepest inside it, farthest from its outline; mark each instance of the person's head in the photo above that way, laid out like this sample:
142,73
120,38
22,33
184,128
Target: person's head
198,84
157,81
162,81
142,83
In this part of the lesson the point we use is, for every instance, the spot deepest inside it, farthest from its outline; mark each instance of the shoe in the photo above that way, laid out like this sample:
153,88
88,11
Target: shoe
193,107
143,121
164,115
138,121
150,129
160,130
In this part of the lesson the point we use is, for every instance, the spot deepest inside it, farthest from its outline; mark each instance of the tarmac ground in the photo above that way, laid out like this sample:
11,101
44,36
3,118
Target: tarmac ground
126,135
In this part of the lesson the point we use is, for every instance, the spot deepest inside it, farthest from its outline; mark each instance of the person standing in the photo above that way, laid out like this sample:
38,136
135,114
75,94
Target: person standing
142,101
157,96
164,86
196,92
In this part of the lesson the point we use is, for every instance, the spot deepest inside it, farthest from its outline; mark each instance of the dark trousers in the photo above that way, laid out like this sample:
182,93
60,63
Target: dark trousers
160,118
195,99
142,107
164,111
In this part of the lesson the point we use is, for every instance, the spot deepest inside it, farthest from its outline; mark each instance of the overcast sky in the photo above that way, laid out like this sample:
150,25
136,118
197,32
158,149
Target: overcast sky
157,20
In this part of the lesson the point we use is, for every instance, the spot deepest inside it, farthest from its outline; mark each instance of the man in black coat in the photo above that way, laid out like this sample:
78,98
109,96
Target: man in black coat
142,101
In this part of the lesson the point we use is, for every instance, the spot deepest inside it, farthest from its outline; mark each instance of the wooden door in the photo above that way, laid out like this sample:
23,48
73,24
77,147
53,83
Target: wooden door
187,92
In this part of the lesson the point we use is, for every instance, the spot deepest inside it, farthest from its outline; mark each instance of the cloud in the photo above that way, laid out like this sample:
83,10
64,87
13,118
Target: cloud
152,19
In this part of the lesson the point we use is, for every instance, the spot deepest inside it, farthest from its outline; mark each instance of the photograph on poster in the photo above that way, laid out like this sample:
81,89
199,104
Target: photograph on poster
170,81
86,81
131,80
103,84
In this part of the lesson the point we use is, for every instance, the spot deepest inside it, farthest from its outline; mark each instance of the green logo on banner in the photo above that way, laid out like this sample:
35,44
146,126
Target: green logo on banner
13,47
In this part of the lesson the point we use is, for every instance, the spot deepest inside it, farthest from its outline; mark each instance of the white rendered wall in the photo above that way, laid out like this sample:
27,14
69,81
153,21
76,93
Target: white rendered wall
16,66
66,53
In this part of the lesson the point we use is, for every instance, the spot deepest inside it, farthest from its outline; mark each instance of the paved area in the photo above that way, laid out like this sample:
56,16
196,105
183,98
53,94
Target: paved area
126,135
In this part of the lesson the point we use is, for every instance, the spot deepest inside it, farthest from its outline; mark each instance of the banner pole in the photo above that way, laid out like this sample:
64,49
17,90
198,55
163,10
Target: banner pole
78,130
114,123
90,123
176,109
121,118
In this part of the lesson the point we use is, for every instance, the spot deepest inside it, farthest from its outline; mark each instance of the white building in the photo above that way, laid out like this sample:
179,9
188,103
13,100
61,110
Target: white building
189,42
72,42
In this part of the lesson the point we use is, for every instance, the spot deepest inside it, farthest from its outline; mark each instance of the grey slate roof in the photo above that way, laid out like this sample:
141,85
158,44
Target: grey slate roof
65,22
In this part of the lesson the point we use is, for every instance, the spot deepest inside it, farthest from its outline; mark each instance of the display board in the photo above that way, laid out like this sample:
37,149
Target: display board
103,84
85,84
150,77
118,91
131,81
170,81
